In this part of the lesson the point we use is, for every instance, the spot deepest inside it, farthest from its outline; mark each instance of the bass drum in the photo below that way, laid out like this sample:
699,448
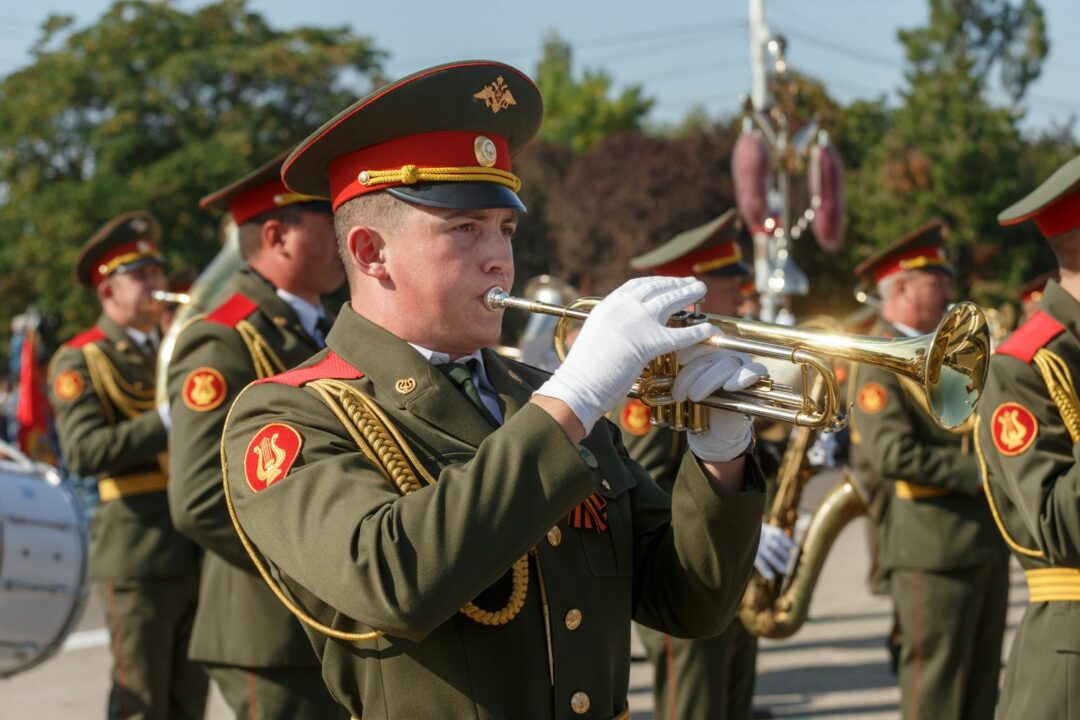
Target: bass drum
44,544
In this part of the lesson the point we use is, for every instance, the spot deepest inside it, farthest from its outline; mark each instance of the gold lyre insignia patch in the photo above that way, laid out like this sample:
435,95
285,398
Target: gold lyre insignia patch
271,454
204,389
1014,428
496,96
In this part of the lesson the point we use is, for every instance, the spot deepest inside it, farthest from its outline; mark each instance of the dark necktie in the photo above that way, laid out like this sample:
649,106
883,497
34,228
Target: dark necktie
322,329
461,375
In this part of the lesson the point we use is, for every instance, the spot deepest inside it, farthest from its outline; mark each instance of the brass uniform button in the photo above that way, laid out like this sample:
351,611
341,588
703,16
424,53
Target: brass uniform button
573,619
579,702
554,536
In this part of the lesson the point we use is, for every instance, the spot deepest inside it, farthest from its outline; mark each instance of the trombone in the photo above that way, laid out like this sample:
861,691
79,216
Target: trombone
948,365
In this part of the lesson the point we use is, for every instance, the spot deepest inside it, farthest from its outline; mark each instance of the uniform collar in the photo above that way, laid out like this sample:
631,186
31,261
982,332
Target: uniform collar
306,313
140,338
402,377
1062,306
262,291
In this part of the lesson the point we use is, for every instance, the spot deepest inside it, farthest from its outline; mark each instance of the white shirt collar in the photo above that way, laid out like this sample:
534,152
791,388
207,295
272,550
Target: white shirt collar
906,329
307,313
439,358
140,338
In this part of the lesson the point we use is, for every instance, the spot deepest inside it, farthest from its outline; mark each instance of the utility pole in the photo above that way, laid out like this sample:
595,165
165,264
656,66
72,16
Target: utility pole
759,37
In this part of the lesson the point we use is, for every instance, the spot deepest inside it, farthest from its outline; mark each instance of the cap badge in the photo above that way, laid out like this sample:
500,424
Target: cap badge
271,454
1014,428
139,225
496,96
143,246
485,151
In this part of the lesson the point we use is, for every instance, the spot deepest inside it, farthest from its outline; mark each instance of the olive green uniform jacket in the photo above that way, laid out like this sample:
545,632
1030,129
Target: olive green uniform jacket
948,568
693,678
132,536
360,556
239,621
102,390
1033,484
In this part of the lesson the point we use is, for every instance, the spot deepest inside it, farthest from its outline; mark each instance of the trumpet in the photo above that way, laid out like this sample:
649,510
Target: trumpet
172,298
948,365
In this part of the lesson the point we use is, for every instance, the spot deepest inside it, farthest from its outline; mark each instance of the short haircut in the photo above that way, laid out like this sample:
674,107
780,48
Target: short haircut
379,210
250,233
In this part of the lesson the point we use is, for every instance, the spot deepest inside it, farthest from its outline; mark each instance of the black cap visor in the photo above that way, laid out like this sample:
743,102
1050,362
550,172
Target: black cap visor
739,269
459,195
136,264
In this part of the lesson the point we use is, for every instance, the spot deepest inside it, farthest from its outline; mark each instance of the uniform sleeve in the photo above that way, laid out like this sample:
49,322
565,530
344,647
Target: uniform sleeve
196,493
403,564
693,552
90,444
891,443
1042,479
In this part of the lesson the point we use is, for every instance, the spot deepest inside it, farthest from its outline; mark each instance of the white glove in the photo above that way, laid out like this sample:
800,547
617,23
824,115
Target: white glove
623,333
773,552
704,371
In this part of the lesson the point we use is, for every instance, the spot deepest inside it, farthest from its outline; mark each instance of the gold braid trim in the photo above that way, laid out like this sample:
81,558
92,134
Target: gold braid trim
989,491
412,174
1059,383
266,361
381,443
111,385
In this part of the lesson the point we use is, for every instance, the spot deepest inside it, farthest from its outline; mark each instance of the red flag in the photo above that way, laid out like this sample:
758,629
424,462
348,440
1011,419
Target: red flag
33,410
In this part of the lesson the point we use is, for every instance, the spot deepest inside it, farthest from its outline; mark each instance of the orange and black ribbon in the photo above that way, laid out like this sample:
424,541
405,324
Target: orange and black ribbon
591,514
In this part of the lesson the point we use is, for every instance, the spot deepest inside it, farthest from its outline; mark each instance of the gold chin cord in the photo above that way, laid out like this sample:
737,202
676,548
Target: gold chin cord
949,366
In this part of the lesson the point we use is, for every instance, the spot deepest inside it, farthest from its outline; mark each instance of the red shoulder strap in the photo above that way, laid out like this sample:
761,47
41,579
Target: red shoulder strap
86,337
233,310
331,367
1030,337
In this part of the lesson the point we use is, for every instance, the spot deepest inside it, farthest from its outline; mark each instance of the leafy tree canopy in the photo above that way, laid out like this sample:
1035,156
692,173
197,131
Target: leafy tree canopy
151,107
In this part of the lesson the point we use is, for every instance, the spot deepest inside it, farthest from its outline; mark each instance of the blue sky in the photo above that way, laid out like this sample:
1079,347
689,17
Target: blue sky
684,52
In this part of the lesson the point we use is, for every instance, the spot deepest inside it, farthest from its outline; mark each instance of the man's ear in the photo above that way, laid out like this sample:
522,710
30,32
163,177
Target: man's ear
104,290
272,231
367,252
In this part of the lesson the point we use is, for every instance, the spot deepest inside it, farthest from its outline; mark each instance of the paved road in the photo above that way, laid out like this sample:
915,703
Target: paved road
835,667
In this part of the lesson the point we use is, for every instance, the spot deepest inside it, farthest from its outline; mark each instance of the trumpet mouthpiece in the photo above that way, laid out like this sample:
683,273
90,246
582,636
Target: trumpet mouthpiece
494,300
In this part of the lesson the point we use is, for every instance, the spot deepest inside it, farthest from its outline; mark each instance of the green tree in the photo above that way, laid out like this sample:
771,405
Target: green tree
581,113
947,151
151,107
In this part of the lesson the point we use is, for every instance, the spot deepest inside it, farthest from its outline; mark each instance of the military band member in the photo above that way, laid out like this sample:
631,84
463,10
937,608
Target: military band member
102,389
947,569
1028,428
707,678
473,534
270,319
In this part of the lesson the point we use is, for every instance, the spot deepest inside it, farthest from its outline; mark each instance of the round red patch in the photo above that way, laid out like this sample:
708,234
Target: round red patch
1014,428
204,389
68,385
635,417
270,455
872,398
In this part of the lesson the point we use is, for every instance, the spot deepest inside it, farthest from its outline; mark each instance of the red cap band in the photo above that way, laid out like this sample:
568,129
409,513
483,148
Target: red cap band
1060,216
129,252
258,200
932,256
702,261
448,149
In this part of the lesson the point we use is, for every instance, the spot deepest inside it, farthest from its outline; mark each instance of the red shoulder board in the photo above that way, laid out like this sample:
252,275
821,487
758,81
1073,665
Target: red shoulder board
331,367
233,310
1032,336
85,338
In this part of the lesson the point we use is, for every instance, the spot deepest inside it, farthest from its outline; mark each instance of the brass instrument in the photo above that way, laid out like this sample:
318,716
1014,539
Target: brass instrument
778,608
536,339
201,297
949,366
172,298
